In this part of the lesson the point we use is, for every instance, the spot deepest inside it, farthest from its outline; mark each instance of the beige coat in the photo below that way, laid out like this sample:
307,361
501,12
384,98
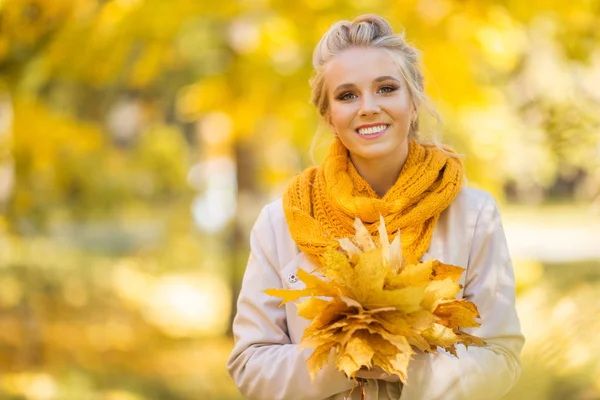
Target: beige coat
266,362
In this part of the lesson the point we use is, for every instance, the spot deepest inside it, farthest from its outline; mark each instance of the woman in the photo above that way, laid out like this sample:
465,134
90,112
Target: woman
368,88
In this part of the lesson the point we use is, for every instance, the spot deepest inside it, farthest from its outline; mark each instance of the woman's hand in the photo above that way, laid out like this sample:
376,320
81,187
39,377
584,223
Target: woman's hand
376,373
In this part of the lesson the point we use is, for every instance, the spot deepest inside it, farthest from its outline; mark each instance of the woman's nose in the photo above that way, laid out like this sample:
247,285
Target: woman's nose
369,105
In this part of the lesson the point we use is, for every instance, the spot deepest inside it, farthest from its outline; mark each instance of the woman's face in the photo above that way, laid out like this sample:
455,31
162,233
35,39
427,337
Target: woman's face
370,108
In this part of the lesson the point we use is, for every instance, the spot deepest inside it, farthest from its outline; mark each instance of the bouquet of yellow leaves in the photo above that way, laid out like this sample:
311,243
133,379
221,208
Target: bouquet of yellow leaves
376,306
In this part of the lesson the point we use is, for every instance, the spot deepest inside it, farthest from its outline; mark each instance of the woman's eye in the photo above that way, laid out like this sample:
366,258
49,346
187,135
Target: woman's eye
388,89
346,96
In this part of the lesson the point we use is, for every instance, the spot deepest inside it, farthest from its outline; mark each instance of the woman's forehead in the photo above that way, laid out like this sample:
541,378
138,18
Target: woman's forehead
360,65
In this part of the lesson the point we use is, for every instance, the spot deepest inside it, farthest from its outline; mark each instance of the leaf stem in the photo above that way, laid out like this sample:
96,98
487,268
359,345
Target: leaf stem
361,389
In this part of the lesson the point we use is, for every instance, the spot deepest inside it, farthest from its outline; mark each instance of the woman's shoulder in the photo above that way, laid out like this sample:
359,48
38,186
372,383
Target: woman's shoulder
270,215
272,219
274,210
469,216
466,210
472,200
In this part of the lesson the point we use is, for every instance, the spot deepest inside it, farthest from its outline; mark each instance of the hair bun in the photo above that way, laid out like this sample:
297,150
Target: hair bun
382,27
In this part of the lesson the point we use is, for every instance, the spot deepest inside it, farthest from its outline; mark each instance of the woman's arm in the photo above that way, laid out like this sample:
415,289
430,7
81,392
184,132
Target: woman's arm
487,372
264,364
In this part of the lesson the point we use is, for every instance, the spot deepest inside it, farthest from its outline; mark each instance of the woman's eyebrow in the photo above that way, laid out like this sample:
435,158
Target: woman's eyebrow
386,78
344,86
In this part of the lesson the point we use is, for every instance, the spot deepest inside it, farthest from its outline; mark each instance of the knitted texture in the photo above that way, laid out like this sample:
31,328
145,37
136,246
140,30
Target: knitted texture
322,203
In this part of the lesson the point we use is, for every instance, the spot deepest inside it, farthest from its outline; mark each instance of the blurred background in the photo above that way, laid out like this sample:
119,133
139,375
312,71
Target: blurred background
140,138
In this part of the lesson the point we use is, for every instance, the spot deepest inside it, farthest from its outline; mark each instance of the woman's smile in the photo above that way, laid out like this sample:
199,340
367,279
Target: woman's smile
372,131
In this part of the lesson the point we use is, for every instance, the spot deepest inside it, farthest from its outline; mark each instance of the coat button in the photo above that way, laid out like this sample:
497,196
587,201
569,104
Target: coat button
292,278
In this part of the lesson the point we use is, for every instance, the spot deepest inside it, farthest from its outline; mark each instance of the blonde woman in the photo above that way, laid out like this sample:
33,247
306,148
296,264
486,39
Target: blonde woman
368,87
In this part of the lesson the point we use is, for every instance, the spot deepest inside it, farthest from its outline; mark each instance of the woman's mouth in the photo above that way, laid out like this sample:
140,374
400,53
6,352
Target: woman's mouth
371,132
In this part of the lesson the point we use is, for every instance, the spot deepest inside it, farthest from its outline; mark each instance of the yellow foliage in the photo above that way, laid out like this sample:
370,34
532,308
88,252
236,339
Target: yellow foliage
41,136
458,312
198,98
148,65
379,307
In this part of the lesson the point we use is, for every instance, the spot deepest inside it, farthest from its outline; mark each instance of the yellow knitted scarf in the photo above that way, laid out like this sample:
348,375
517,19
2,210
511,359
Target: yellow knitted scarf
322,203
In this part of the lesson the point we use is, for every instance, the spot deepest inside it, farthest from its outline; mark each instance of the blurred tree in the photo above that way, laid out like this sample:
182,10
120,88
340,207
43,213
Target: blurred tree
252,64
109,85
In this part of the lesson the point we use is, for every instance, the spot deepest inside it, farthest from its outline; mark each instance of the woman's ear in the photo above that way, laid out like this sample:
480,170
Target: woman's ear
327,119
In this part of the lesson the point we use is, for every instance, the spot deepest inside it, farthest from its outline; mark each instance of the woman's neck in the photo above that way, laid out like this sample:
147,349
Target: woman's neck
381,174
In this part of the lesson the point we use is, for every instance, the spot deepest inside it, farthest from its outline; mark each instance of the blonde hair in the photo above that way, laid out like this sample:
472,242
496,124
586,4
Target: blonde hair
369,31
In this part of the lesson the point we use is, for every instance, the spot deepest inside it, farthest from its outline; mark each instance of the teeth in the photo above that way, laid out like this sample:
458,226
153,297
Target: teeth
371,130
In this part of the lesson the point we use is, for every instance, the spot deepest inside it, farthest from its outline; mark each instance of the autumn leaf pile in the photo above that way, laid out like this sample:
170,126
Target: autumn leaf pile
376,307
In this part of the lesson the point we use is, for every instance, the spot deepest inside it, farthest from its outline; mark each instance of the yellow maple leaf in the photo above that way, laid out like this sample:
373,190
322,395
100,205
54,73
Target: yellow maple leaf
388,351
411,275
314,287
384,241
362,237
319,358
437,291
337,267
399,365
368,278
349,247
439,335
395,255
359,348
408,325
345,363
312,307
468,339
457,312
442,271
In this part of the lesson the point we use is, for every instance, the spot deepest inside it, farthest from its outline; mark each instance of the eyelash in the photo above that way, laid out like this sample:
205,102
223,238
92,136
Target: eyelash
392,88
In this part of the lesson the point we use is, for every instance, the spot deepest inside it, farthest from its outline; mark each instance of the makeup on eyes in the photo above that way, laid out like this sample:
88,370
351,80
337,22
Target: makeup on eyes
376,80
392,88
